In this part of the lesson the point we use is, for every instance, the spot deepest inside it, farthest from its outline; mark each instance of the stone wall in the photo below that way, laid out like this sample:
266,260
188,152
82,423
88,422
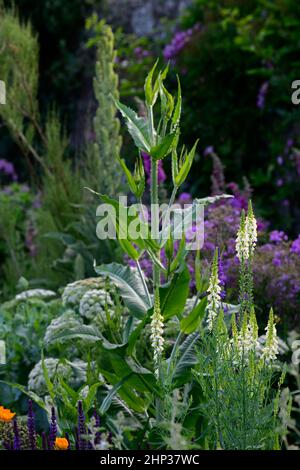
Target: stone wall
142,17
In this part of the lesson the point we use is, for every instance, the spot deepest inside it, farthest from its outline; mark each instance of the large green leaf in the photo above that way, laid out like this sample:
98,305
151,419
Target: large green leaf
125,391
112,393
123,221
186,166
173,296
187,356
191,322
150,94
177,111
86,333
130,286
163,149
33,396
137,126
137,332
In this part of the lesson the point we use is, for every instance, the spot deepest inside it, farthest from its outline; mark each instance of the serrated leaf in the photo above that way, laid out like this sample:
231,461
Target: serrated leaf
137,126
149,92
177,110
129,177
163,149
186,166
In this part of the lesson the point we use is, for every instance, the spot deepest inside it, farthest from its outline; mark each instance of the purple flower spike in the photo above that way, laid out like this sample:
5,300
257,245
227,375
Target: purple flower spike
81,426
261,97
31,426
208,150
97,424
17,442
53,428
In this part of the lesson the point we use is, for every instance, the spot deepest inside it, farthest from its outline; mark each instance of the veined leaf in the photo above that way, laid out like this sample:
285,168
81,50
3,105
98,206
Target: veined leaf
137,126
137,332
87,333
173,296
113,392
187,356
130,286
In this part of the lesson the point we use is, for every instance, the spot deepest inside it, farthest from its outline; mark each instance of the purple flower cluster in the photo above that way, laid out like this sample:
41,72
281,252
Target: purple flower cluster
278,236
295,247
141,53
147,166
26,438
178,42
261,97
8,169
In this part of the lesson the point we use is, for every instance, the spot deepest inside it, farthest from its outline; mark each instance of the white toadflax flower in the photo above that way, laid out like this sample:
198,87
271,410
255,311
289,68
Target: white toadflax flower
271,347
248,336
214,294
242,240
251,229
156,336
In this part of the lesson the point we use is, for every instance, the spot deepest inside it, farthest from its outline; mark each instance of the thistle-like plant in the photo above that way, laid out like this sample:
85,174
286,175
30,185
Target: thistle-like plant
157,134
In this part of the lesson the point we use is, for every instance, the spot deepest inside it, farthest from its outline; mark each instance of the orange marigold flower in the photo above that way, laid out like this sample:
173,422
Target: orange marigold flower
61,443
6,415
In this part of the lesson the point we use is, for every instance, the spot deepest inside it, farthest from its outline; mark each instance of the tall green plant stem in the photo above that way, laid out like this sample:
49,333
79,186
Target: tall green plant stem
154,200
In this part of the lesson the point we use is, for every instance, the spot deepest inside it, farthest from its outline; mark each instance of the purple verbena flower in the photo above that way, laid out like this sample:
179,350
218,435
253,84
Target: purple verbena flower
295,248
277,236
